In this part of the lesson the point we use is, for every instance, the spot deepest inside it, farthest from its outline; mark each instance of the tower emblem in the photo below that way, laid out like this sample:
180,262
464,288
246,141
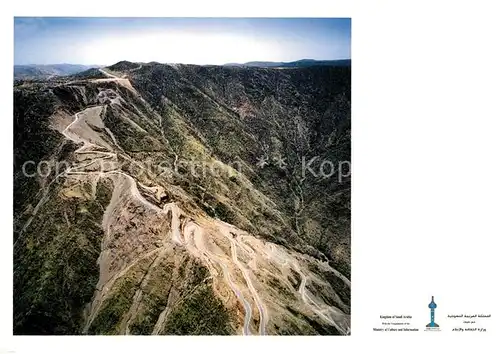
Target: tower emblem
433,325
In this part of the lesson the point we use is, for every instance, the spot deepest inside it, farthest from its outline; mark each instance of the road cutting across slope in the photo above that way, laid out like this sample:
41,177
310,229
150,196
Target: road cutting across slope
317,309
193,236
172,208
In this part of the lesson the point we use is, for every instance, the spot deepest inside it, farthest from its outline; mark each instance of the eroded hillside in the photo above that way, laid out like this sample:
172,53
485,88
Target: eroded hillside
173,200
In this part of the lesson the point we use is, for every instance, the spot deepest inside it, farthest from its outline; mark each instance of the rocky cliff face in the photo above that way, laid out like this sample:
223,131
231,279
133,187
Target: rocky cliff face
179,199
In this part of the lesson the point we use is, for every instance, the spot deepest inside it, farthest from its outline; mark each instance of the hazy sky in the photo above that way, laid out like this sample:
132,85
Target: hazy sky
105,41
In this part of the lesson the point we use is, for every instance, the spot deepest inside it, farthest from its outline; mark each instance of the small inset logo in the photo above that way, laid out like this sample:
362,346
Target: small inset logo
433,326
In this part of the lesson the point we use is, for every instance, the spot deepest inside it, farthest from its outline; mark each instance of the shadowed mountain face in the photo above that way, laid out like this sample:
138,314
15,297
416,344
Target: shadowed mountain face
293,64
182,199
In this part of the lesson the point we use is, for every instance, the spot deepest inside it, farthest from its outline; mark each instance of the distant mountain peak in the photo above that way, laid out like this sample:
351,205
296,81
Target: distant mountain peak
292,64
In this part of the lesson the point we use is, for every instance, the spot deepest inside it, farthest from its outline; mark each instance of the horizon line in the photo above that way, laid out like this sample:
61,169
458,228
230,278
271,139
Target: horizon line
154,61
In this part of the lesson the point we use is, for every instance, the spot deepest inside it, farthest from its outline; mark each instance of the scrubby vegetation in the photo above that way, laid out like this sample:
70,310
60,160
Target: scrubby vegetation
201,313
224,116
312,327
114,308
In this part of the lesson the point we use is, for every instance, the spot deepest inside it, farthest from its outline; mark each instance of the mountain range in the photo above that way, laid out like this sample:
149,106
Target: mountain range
174,199
35,71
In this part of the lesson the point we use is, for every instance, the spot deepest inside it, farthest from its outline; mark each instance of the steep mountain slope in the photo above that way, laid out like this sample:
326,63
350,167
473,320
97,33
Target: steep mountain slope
173,200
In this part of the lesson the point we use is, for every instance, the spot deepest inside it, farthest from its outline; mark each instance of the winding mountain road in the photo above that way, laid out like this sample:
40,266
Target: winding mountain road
186,234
